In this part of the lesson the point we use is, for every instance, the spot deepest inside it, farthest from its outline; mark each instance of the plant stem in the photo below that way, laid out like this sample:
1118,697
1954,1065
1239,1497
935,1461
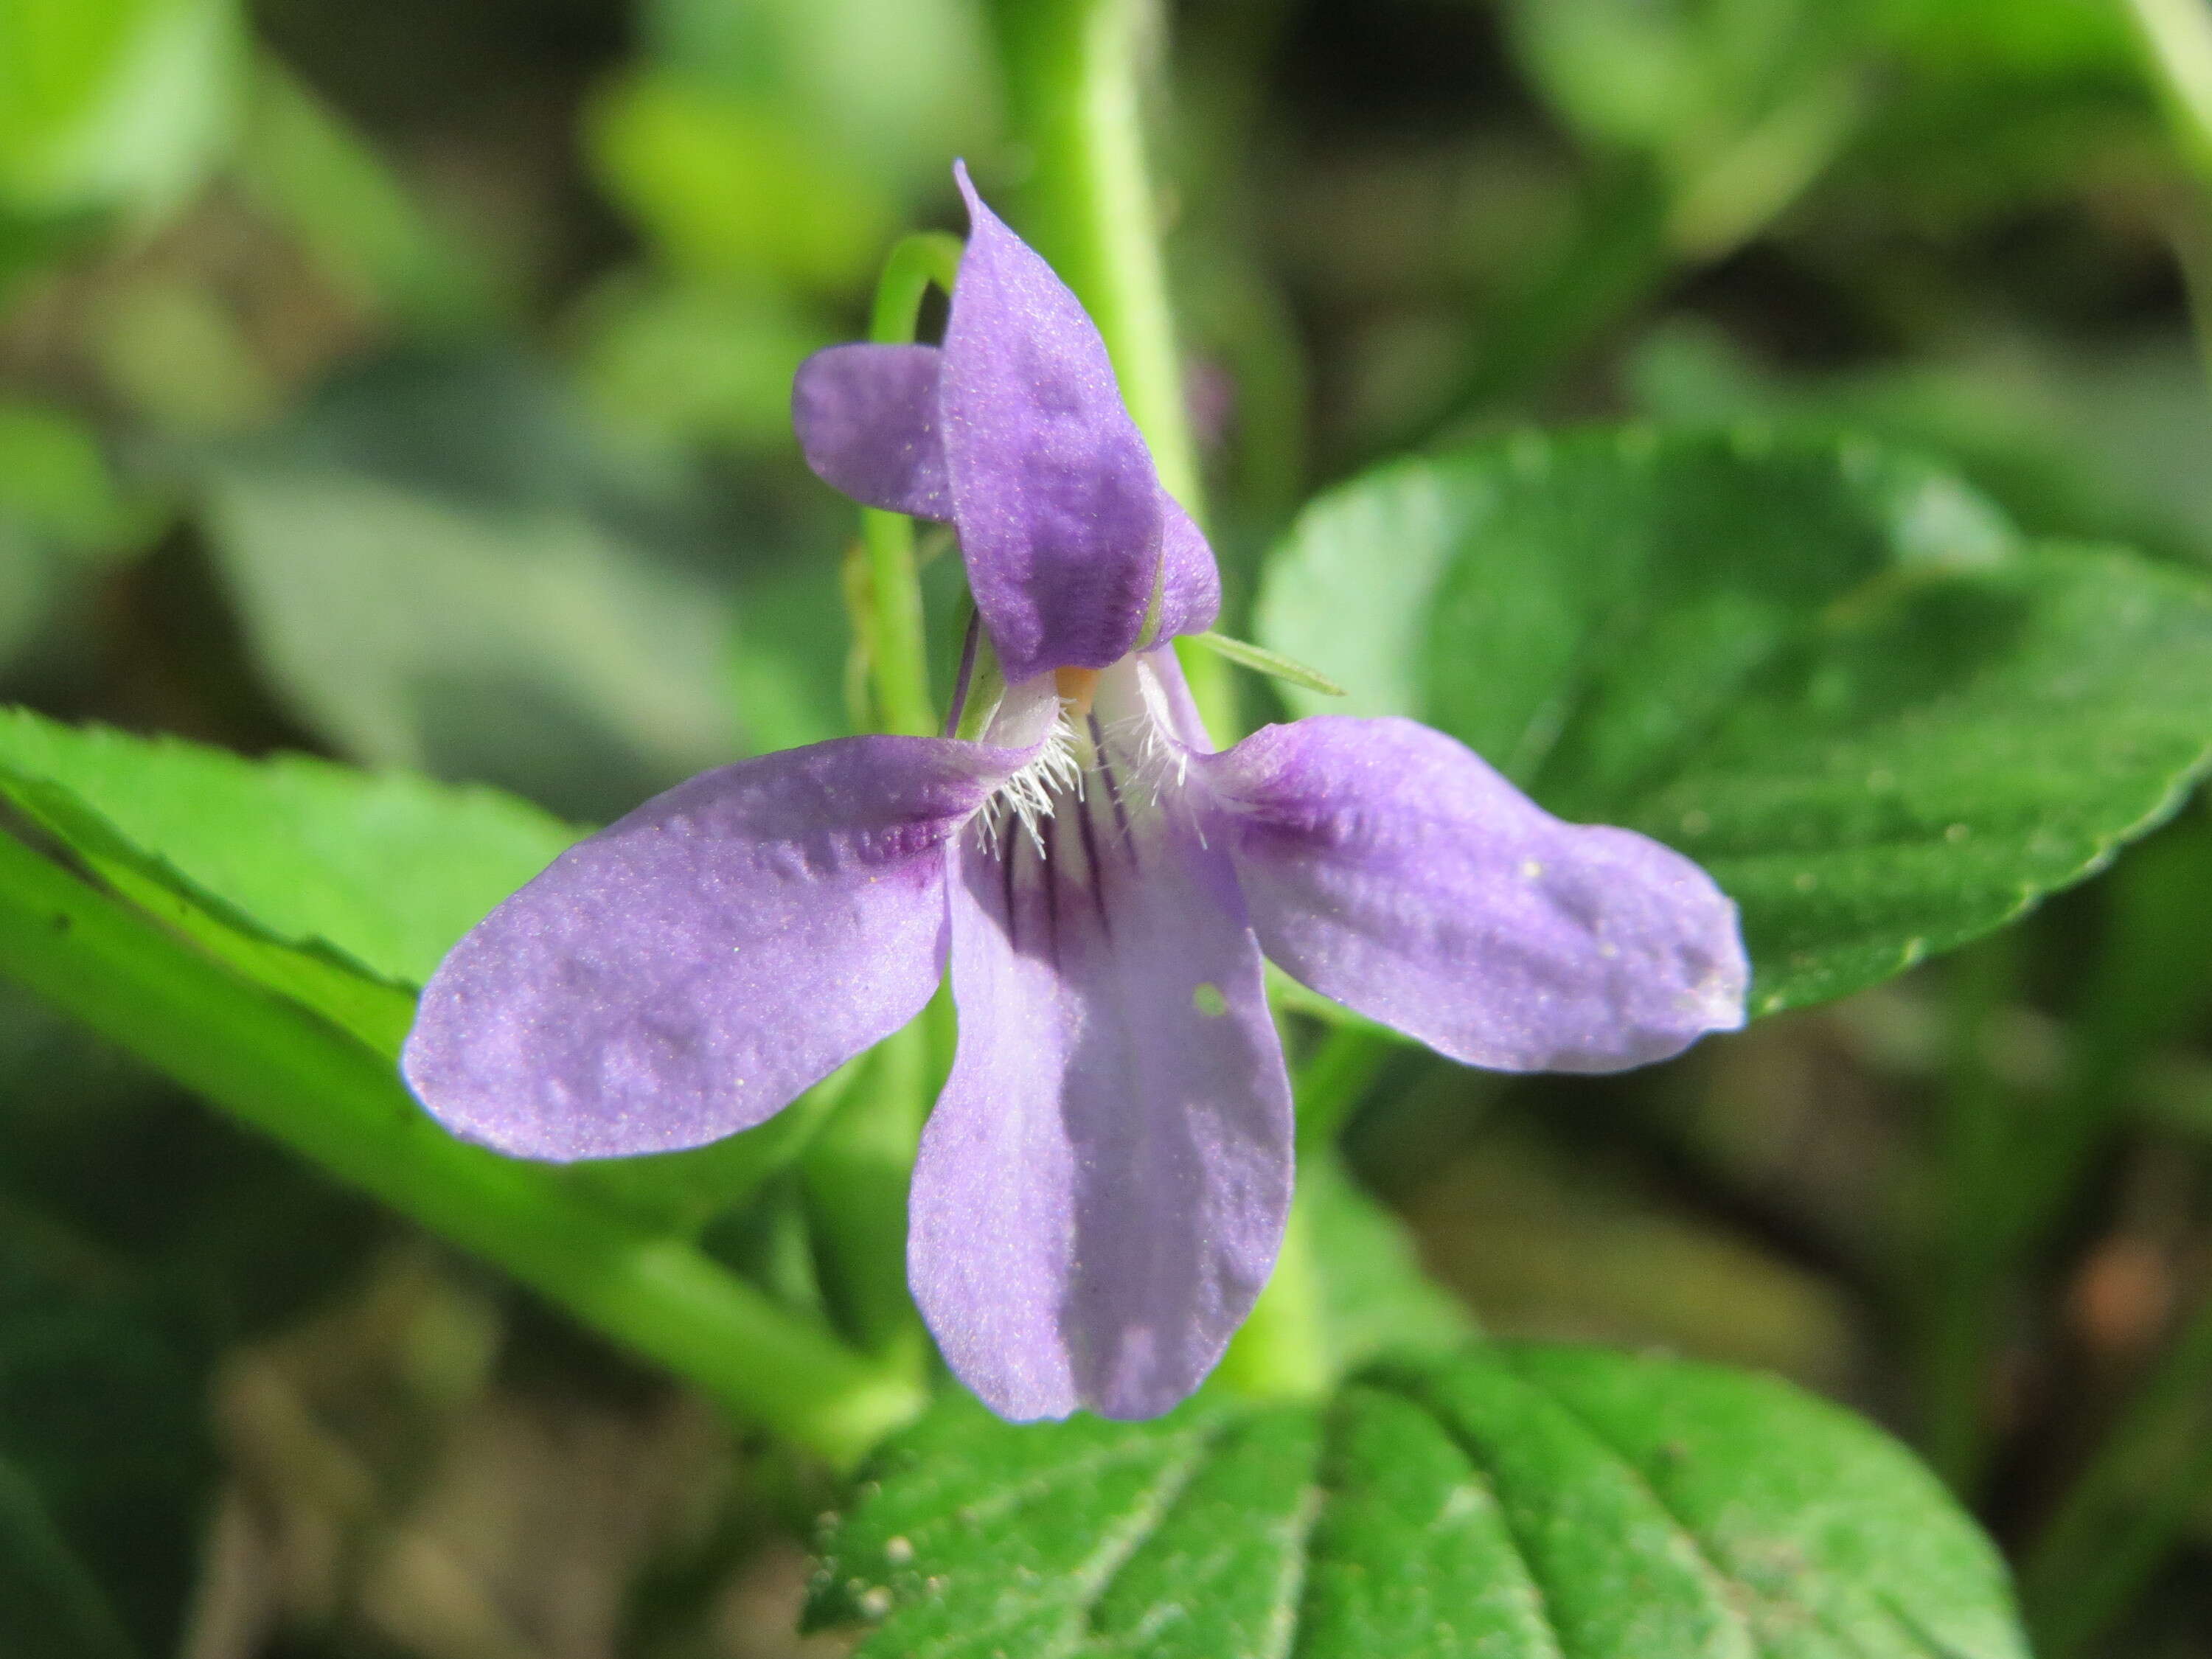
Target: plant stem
898,640
858,1169
1972,1245
1334,1076
1283,1351
326,1096
1075,85
857,1174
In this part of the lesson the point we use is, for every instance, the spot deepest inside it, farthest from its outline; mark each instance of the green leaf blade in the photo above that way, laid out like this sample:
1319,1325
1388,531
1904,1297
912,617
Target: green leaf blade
1223,1570
1804,1542
1058,1509
1618,1575
1510,1501
1412,1554
337,888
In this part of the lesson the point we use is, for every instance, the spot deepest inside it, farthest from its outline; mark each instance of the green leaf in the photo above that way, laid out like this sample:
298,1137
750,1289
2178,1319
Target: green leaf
1833,675
1988,39
336,1103
61,509
114,104
304,164
2103,446
894,91
341,890
698,362
1739,104
733,190
338,888
1514,1500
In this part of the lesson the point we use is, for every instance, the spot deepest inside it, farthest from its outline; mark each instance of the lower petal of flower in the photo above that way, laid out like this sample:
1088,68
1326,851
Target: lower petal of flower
687,971
1102,1189
1389,867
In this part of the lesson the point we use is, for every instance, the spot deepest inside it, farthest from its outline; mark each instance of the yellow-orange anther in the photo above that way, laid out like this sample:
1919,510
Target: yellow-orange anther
1077,687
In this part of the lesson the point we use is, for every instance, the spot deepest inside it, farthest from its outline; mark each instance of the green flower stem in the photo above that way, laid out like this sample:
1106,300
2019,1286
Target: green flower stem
329,1098
899,650
1283,1351
857,1174
858,1171
1334,1076
1971,1251
1075,83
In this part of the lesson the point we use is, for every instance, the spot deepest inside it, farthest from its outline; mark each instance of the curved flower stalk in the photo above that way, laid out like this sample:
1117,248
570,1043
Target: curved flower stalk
1102,1189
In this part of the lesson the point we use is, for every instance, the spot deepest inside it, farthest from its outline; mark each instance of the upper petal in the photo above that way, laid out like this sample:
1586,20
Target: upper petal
1058,507
687,971
866,420
1388,868
1102,1189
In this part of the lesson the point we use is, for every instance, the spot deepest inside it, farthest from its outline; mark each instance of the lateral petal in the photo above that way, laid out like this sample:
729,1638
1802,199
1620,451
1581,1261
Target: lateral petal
688,970
866,420
1101,1188
1390,868
1190,581
1053,490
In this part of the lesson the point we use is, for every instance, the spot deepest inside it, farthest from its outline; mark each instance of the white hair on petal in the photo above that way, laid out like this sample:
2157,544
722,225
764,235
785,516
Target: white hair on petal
1028,797
1158,763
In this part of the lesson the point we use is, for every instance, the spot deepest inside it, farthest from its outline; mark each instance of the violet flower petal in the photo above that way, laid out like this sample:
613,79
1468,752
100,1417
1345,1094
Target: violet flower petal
1190,581
1053,488
1390,868
686,972
866,420
1102,1189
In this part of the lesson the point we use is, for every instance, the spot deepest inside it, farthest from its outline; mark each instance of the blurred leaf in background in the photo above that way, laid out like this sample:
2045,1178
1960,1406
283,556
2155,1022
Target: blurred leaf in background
1738,105
2106,444
64,513
114,106
769,152
441,565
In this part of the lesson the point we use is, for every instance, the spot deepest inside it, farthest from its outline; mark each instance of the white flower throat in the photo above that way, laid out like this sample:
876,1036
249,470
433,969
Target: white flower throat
1103,758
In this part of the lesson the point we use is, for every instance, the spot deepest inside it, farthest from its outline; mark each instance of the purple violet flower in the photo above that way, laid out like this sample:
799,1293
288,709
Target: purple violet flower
1102,1189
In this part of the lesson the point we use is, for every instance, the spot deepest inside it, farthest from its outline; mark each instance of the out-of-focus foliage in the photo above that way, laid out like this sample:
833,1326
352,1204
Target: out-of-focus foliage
408,384
114,106
518,605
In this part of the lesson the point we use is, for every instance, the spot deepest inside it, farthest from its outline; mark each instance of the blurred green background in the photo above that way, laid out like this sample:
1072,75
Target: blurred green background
408,383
